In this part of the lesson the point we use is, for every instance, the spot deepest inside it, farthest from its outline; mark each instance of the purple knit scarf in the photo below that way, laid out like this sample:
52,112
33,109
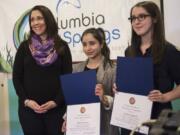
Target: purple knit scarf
44,54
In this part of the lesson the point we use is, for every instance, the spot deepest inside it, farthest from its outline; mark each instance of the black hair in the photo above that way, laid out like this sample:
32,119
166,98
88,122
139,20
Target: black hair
99,34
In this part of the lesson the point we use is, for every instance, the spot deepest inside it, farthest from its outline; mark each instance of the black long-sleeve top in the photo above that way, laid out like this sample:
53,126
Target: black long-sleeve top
36,82
166,73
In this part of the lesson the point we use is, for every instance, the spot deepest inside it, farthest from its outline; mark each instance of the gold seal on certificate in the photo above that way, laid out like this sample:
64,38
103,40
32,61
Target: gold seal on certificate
82,109
132,100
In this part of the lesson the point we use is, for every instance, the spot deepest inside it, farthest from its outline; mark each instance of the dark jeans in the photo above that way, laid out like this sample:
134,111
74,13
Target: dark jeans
48,123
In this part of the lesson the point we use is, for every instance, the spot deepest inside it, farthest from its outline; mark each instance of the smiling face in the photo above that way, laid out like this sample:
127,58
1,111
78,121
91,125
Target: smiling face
38,24
91,46
143,22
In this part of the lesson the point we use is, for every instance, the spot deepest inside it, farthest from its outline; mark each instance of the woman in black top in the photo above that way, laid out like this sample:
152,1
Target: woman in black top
148,40
39,62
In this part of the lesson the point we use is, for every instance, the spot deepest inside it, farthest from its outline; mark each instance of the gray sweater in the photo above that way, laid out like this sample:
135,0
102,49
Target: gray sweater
105,76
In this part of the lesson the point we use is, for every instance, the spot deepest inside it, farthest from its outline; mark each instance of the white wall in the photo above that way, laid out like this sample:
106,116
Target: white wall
172,21
4,105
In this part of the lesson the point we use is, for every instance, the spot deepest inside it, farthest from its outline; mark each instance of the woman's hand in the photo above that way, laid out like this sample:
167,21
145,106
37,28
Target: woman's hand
99,91
157,96
48,105
114,88
34,106
40,108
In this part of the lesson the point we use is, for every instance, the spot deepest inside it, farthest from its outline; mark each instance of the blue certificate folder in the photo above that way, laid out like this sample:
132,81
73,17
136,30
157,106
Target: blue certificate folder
134,75
79,88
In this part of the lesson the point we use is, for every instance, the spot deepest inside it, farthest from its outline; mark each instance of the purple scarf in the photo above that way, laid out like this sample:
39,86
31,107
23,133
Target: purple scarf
44,54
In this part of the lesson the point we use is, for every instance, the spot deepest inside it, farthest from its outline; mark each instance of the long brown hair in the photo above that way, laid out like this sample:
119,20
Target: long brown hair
51,28
158,38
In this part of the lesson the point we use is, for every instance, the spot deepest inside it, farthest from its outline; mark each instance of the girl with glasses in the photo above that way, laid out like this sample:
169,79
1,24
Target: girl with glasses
148,40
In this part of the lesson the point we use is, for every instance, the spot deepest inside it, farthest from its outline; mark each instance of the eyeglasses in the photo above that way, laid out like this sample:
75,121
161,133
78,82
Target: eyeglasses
140,18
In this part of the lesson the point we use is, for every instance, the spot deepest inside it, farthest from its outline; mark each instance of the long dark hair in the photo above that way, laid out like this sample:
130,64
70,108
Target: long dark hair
99,34
158,38
51,27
